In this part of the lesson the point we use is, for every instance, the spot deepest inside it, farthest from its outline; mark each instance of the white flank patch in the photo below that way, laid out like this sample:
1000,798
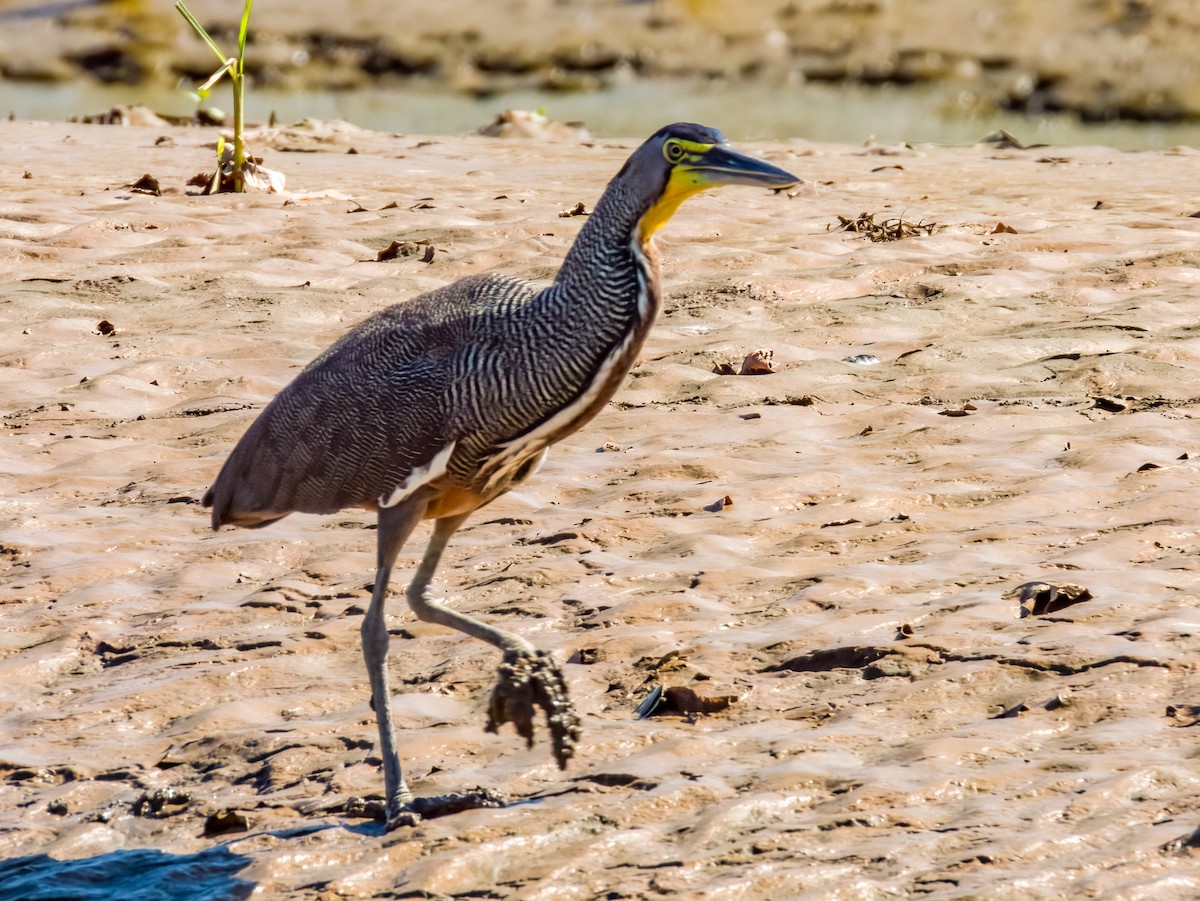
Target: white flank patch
422,475
536,464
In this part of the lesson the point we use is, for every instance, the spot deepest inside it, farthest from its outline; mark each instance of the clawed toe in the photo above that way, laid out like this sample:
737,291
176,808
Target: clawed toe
526,682
415,810
445,805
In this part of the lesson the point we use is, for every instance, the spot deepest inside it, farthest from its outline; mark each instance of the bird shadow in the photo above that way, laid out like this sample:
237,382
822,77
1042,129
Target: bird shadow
145,874
148,874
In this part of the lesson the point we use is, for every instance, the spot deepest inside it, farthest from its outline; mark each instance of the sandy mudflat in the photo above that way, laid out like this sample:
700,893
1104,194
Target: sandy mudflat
141,653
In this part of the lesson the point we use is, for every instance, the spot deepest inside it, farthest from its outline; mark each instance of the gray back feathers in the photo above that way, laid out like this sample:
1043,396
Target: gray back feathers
478,363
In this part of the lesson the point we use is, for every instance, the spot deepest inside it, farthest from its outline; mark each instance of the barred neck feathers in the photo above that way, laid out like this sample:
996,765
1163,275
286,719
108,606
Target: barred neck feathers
608,273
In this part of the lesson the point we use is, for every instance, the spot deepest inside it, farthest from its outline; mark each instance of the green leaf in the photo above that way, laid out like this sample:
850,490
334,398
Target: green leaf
199,29
242,34
205,88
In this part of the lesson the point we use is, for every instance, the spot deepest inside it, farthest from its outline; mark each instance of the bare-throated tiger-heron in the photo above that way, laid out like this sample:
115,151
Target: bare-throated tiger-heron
435,406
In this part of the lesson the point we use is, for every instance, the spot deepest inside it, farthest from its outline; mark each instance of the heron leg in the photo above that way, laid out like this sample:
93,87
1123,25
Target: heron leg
400,807
431,610
528,678
395,525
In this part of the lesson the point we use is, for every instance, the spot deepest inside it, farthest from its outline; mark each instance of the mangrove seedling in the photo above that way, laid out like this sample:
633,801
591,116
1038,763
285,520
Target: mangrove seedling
233,166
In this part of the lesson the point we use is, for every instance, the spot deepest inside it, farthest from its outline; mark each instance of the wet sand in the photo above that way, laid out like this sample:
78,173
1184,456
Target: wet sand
1032,417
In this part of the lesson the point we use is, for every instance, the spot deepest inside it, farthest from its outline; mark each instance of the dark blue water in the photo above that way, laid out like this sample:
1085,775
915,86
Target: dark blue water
138,875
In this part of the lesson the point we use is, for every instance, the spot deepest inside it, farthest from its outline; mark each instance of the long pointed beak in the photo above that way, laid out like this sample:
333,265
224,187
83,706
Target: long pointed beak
721,165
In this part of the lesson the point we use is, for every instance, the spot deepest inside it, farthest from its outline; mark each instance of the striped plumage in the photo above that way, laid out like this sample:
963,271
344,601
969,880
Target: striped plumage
479,363
435,406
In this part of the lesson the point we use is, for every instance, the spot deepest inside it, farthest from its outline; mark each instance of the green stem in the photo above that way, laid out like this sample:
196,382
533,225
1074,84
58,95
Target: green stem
239,145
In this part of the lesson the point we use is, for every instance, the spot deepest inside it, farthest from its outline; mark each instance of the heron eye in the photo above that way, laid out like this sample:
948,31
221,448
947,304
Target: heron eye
673,152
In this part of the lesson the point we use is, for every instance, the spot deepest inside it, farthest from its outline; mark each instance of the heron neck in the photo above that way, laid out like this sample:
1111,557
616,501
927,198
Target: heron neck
609,274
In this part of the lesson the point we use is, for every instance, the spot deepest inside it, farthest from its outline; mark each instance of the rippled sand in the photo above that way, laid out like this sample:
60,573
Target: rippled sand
1032,417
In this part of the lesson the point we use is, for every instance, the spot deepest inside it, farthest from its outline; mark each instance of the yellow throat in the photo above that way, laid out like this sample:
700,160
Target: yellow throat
683,183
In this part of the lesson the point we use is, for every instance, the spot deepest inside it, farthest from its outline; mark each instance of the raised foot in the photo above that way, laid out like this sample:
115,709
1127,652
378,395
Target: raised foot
526,681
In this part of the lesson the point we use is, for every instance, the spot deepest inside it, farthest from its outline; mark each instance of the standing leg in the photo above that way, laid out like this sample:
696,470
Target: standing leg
395,525
401,808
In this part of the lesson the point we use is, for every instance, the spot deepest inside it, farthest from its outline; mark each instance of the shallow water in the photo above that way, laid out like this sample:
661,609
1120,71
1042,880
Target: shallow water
744,111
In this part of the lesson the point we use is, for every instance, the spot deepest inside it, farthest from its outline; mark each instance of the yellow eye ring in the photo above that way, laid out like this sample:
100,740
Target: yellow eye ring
673,151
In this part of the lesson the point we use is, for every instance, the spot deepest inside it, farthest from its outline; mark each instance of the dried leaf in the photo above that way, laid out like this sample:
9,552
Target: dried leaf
758,363
147,184
1037,598
585,656
255,176
1183,714
225,821
682,699
885,230
1006,140
406,249
1010,712
261,178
